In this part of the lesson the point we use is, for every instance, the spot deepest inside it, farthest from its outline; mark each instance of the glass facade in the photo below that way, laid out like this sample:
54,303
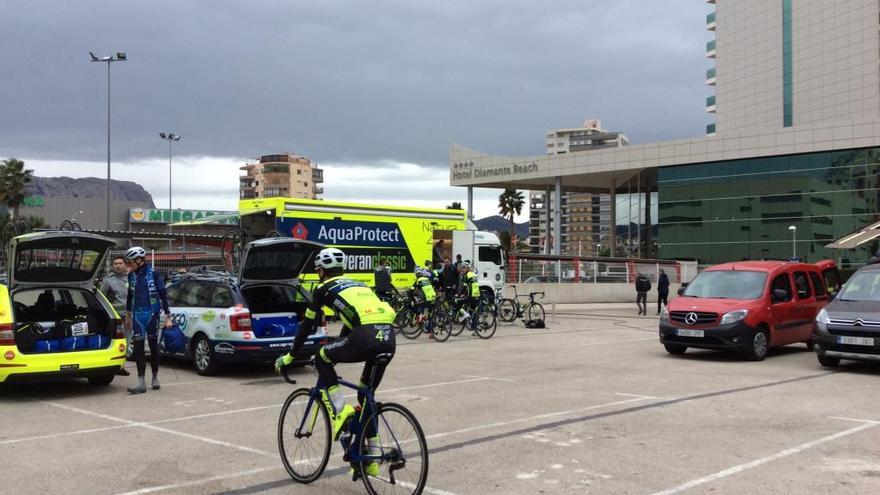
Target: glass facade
742,209
786,64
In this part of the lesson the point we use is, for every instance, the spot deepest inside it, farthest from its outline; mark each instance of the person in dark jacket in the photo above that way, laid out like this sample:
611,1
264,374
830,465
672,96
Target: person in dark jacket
450,278
662,290
382,282
643,286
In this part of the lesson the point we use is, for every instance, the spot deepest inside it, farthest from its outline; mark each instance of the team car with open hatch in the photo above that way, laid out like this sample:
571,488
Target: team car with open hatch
252,318
747,307
54,324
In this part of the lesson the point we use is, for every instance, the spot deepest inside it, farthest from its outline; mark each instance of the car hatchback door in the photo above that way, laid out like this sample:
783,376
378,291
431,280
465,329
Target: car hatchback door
276,260
60,259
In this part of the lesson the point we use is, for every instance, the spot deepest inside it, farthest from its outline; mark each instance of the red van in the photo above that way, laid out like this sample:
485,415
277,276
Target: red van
748,306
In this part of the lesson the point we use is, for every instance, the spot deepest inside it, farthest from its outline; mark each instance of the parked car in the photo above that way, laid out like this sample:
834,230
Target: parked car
748,307
253,317
54,324
849,327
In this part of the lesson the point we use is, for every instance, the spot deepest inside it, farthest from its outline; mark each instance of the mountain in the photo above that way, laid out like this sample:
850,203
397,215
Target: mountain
497,223
88,187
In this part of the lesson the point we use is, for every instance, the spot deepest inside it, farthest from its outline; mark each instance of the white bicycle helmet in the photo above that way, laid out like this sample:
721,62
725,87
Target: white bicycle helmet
135,252
329,258
465,265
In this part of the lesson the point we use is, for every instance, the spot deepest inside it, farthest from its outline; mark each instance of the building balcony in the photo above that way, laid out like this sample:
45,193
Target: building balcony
710,104
317,175
710,49
710,129
710,76
318,190
710,22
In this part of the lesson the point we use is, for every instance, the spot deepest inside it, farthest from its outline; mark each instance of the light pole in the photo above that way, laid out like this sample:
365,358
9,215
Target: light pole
170,137
793,230
119,57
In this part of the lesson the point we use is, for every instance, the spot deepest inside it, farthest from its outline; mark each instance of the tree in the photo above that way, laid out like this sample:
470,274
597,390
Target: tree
456,205
504,238
14,180
510,203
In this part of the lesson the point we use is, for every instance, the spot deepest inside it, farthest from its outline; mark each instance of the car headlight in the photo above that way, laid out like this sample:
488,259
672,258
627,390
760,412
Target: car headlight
734,316
664,315
822,317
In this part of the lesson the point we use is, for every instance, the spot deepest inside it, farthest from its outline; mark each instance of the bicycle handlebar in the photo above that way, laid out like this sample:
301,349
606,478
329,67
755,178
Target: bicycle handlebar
286,369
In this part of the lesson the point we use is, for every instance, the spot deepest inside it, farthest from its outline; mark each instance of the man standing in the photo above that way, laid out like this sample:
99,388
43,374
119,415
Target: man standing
450,278
146,297
643,286
115,287
662,290
382,280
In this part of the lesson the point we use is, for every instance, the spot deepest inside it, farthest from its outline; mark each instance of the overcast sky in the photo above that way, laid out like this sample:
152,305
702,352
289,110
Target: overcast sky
373,92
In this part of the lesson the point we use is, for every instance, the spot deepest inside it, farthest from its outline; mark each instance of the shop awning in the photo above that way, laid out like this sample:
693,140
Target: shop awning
222,218
857,238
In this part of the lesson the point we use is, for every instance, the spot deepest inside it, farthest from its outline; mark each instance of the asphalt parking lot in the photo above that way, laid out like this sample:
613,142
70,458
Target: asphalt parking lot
592,404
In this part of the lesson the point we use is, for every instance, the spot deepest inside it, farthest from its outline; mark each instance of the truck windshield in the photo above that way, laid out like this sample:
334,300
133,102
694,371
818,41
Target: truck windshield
491,254
864,286
728,284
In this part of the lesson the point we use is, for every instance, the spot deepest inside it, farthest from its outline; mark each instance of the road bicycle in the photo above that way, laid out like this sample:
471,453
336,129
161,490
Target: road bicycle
411,321
386,434
510,309
481,321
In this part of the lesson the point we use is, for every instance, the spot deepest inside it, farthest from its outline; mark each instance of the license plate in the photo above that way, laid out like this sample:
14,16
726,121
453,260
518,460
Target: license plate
842,339
683,332
65,367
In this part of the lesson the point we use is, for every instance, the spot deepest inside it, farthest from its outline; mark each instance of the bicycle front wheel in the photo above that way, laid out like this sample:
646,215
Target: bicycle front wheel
406,322
304,437
394,450
486,323
536,311
507,310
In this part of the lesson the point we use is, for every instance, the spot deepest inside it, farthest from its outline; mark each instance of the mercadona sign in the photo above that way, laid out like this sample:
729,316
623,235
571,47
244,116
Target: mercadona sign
149,215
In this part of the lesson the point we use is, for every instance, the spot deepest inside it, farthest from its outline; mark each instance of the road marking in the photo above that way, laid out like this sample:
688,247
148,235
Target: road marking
645,396
185,484
133,424
606,342
764,460
857,420
532,418
160,429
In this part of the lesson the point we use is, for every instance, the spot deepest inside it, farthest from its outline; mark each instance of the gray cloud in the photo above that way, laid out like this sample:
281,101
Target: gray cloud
346,81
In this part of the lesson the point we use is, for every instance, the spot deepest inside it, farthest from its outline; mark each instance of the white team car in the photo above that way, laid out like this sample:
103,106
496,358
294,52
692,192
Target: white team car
220,319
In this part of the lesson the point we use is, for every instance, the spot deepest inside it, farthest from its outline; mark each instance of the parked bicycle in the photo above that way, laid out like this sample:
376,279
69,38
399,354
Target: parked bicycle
510,309
305,440
411,322
481,320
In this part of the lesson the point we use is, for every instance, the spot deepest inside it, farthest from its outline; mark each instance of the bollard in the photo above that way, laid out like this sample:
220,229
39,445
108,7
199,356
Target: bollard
553,312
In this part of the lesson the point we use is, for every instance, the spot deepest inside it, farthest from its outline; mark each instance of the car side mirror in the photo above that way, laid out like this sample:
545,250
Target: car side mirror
681,291
779,295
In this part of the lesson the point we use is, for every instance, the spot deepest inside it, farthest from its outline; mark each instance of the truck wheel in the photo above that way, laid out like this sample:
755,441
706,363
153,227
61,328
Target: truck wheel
675,349
759,345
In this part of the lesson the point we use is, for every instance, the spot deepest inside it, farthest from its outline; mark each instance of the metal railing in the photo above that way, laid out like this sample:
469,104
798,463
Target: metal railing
566,269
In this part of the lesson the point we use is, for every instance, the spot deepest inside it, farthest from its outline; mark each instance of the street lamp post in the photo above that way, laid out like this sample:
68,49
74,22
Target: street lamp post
170,137
119,57
793,230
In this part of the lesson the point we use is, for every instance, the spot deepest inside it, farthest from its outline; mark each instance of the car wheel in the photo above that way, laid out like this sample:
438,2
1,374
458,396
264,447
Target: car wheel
203,356
759,345
101,380
828,361
675,349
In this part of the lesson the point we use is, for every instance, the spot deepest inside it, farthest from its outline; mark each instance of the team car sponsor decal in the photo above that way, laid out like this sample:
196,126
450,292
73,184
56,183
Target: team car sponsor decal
224,348
209,316
180,320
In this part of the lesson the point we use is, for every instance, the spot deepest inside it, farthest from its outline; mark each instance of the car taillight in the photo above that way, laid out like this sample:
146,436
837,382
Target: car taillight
240,322
7,337
120,329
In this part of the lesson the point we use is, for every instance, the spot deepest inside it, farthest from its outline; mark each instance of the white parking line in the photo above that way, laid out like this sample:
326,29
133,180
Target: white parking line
133,424
163,430
533,418
764,460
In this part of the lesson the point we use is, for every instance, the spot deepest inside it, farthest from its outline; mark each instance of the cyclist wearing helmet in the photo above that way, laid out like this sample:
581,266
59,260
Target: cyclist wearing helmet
146,297
470,286
425,294
367,333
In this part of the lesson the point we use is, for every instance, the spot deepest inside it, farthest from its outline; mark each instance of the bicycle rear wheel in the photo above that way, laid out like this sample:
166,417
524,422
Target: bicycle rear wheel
507,310
441,325
536,311
399,448
407,325
486,323
304,441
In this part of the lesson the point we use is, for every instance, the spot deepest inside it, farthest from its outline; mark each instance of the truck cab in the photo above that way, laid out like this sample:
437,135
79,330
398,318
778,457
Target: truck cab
482,249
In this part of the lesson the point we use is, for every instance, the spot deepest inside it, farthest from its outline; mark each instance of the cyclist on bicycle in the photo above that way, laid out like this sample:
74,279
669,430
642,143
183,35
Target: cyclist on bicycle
425,294
470,288
367,333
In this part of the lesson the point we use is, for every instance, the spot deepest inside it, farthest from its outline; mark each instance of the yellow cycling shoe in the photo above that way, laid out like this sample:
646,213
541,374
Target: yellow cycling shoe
371,469
341,419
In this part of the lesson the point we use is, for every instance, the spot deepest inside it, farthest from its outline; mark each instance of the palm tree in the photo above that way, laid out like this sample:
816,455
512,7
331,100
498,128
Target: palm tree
456,205
14,180
511,203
